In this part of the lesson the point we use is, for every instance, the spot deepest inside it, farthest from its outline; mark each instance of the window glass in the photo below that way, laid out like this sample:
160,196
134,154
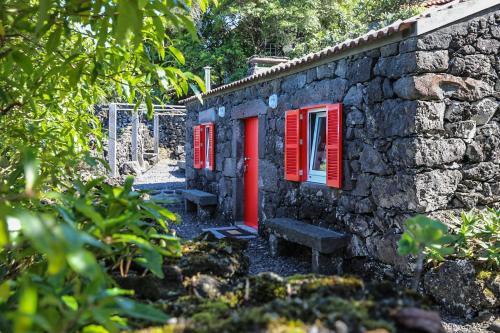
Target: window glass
317,146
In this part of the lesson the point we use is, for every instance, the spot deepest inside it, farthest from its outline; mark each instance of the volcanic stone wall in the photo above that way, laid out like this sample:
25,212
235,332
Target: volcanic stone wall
421,135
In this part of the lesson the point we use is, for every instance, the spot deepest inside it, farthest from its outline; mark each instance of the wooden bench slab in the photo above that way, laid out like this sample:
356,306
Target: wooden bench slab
320,239
199,197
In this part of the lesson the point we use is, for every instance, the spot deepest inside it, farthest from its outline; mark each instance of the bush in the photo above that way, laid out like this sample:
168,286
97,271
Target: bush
58,250
477,238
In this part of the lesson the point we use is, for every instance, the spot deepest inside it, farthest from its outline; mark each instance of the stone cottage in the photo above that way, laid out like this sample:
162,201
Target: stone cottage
362,135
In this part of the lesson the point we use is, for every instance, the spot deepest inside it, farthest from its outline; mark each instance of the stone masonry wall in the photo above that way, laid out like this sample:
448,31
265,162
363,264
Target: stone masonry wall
421,135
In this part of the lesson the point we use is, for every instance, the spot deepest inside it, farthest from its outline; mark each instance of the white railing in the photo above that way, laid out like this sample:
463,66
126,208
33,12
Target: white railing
159,110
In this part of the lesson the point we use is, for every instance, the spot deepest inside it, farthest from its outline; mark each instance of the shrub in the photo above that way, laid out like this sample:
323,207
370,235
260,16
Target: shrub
477,238
60,248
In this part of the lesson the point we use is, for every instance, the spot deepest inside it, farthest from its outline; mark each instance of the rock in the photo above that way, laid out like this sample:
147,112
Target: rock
360,70
294,82
430,152
205,286
131,168
389,50
429,116
223,258
151,287
484,110
426,152
387,89
355,117
495,326
458,111
488,46
465,295
433,41
396,66
433,189
482,171
341,327
394,192
372,162
385,249
374,91
229,167
268,179
354,96
431,62
438,86
473,65
325,71
462,129
420,320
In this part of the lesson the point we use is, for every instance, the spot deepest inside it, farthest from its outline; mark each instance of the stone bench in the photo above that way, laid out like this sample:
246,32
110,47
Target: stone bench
203,203
327,245
181,165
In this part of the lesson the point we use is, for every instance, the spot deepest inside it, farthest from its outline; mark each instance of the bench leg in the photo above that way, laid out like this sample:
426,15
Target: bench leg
190,206
326,264
276,245
205,212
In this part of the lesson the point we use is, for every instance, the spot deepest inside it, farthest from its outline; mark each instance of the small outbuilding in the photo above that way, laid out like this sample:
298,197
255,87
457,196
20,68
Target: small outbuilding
362,135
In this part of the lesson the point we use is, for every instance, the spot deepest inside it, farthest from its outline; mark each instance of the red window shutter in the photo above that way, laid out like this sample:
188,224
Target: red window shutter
197,146
292,145
211,149
334,145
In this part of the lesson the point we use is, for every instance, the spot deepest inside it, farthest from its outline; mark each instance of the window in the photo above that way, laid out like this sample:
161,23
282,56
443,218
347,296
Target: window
203,146
313,144
316,146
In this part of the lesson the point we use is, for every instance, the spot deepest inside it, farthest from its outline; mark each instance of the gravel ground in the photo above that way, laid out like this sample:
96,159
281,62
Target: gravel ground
164,178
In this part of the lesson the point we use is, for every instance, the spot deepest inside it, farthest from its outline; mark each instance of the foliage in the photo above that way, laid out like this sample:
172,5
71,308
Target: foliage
424,237
427,236
62,238
238,29
478,236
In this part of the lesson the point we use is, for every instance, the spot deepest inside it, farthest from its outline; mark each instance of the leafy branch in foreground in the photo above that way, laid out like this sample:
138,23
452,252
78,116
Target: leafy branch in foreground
60,251
62,240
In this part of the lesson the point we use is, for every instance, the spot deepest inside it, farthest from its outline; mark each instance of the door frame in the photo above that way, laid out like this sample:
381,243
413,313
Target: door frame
254,108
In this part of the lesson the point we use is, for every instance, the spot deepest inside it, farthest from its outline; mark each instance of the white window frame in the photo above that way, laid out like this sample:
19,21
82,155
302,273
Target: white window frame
314,176
207,147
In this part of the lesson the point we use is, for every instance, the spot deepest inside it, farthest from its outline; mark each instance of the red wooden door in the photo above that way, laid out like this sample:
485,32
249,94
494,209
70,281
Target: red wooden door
251,177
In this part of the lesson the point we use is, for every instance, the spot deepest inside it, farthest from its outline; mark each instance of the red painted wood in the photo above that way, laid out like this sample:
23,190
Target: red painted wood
211,149
197,146
292,145
334,145
251,177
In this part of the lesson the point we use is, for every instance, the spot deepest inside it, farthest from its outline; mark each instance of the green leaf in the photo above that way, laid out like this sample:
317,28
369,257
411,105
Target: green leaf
177,54
23,61
4,233
140,311
70,302
31,166
54,40
28,301
129,19
94,329
4,291
83,262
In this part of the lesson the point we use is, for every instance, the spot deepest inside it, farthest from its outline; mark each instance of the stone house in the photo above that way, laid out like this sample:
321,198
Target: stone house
362,135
